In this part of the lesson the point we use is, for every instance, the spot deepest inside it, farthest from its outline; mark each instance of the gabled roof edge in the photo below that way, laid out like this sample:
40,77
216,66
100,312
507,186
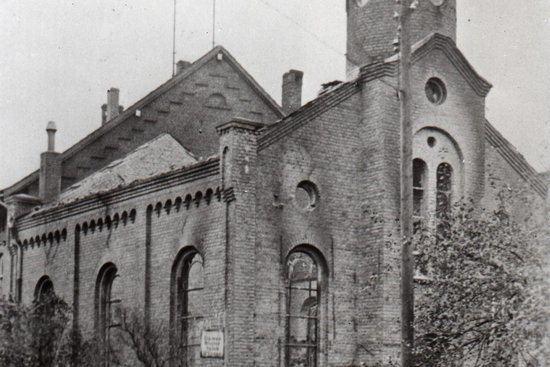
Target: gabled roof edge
446,44
515,159
169,84
323,103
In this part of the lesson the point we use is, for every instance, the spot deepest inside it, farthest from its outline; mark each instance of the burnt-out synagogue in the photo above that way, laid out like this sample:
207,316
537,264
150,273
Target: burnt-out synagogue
211,207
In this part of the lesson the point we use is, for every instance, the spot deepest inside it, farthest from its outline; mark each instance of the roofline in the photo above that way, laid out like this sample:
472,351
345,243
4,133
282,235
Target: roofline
169,84
138,188
437,41
515,159
324,102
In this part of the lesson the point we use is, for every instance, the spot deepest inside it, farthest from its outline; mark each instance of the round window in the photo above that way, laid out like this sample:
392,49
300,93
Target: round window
436,91
431,141
306,195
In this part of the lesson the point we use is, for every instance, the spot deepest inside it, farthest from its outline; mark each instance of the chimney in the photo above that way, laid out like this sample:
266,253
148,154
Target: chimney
103,113
181,66
50,168
113,108
292,91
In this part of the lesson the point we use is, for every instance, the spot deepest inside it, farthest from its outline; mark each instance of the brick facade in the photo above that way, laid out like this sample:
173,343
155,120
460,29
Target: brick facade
240,209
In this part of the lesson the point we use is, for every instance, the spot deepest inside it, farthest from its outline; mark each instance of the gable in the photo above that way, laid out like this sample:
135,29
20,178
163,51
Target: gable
211,91
447,46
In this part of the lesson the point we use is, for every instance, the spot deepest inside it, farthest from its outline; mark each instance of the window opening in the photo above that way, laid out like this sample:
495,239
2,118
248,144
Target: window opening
419,182
110,310
444,190
303,297
44,289
189,306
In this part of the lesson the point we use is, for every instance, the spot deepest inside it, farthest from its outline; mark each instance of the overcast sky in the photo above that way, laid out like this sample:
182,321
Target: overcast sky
59,58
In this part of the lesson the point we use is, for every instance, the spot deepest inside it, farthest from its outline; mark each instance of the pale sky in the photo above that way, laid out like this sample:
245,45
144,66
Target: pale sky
59,58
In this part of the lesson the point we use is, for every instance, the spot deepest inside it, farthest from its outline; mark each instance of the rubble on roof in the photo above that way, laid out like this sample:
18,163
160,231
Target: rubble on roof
160,155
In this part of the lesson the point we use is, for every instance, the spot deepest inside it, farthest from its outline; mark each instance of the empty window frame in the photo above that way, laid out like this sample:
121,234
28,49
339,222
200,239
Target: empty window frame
303,278
419,188
188,306
44,289
109,311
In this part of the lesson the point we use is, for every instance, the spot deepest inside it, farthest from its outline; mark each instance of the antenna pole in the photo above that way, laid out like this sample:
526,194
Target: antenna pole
214,24
174,43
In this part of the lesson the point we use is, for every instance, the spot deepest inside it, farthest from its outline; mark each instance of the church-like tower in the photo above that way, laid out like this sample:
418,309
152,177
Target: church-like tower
372,27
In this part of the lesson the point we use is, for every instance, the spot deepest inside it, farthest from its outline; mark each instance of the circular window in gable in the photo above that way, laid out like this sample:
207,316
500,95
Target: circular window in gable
306,195
436,91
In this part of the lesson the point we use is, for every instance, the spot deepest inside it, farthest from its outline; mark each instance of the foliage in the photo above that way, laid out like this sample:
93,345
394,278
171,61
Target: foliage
35,335
484,298
148,342
42,335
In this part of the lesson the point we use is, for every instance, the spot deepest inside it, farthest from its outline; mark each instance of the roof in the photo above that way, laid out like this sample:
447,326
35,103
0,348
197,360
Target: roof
171,83
160,155
342,92
515,159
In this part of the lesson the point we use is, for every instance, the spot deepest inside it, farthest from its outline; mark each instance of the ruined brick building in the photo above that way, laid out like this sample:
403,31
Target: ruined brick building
208,205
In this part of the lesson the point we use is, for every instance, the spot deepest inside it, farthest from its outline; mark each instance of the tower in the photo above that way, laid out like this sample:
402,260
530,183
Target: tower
372,27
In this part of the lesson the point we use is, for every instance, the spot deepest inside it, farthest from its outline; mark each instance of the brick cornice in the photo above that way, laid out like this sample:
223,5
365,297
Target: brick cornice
137,189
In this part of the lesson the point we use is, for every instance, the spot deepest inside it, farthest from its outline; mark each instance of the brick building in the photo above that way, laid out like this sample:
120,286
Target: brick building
207,205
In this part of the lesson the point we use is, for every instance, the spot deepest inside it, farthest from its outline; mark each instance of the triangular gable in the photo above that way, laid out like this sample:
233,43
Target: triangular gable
436,41
164,88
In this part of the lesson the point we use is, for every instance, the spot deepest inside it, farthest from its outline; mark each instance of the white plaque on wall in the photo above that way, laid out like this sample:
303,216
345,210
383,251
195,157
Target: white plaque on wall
212,344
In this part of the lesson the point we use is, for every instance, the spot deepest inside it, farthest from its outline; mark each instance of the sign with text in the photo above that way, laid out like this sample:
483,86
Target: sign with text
212,344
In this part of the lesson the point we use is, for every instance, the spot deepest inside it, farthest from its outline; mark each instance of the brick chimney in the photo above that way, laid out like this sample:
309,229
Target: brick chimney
112,109
50,168
292,91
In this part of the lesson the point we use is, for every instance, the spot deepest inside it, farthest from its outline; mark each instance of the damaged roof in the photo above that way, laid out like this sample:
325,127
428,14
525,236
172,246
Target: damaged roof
160,155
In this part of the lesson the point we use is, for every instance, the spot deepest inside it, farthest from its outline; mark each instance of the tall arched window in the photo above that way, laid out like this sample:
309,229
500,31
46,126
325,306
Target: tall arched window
44,288
303,288
419,187
188,305
108,308
444,189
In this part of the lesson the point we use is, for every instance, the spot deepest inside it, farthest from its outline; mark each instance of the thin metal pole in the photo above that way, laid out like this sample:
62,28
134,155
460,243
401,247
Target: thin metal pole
407,261
214,23
174,42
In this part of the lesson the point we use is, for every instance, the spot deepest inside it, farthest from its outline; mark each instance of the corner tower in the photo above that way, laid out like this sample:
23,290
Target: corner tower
372,27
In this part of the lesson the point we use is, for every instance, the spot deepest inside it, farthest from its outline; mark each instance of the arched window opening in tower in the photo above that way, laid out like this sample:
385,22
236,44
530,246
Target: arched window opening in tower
303,300
444,190
419,187
188,306
109,312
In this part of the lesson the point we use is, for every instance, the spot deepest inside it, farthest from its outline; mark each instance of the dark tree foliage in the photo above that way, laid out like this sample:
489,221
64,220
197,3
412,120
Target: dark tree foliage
482,295
42,335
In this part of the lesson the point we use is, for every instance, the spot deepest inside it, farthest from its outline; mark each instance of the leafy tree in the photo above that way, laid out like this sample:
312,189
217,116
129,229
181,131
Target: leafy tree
148,343
484,297
41,335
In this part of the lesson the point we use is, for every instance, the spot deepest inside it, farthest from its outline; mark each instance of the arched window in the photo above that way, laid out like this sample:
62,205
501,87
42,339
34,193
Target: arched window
188,305
303,288
444,189
44,288
108,308
419,187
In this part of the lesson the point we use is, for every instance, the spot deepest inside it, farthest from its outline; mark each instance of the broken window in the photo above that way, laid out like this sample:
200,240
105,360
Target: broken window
188,306
303,297
109,312
44,288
